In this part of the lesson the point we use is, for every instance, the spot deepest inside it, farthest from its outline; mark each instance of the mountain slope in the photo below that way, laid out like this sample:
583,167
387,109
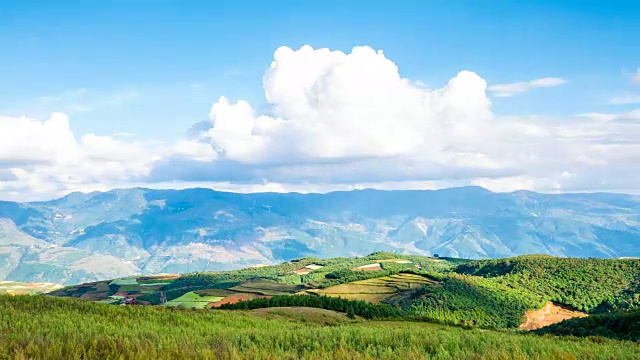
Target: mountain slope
522,292
620,325
86,237
44,328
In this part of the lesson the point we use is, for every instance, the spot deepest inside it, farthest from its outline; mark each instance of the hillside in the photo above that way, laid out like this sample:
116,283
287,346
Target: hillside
96,236
619,325
18,288
498,293
293,277
505,293
589,285
50,328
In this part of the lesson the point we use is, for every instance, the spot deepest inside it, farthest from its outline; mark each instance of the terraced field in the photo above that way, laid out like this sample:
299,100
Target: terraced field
112,291
269,288
376,290
20,288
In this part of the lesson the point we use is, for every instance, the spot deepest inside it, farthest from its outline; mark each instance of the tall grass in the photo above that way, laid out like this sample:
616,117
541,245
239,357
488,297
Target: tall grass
37,327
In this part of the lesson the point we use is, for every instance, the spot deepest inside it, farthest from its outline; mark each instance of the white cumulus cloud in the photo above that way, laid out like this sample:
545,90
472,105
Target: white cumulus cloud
328,105
338,120
46,158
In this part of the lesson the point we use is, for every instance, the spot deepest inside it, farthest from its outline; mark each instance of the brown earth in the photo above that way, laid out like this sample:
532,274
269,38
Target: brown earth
550,314
370,267
234,299
158,277
303,271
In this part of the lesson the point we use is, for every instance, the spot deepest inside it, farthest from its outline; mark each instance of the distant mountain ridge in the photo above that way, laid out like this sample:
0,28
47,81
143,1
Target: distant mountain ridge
100,235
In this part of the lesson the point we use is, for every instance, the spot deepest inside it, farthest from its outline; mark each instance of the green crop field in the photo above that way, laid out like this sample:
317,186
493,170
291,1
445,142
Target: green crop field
193,300
37,327
124,281
376,289
215,292
263,287
20,288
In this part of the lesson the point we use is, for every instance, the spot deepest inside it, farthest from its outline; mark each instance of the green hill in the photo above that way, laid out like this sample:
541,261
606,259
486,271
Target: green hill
39,327
589,285
484,293
19,288
620,325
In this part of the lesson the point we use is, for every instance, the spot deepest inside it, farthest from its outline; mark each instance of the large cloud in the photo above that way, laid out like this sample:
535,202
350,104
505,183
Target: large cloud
337,121
329,105
348,118
44,158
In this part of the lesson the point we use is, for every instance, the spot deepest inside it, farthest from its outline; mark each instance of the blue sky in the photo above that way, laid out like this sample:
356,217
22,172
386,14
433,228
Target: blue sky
153,68
180,57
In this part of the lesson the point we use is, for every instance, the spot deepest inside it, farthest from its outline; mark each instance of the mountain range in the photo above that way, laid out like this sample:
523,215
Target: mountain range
87,237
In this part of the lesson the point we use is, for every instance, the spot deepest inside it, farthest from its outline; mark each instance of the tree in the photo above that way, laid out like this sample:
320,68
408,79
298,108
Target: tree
351,314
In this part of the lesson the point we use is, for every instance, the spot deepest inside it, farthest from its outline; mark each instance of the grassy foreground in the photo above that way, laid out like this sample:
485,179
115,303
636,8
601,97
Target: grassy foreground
38,327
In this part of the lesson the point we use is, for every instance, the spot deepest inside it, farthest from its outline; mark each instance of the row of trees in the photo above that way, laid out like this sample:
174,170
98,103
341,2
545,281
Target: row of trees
618,325
351,307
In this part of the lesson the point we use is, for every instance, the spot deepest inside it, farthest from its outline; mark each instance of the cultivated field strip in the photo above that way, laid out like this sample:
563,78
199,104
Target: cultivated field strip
377,289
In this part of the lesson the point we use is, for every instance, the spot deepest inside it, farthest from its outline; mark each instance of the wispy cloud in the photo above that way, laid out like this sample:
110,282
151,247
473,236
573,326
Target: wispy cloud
507,90
636,77
625,99
627,117
80,101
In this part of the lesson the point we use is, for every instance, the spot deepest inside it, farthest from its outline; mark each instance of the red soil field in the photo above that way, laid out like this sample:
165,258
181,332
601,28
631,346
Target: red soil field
234,299
368,268
159,277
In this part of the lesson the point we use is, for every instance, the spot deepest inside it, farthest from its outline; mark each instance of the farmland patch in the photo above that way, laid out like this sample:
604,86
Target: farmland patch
377,289
193,300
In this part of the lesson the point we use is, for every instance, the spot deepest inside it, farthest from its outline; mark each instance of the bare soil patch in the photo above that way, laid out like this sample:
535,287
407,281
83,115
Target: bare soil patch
551,313
369,267
232,299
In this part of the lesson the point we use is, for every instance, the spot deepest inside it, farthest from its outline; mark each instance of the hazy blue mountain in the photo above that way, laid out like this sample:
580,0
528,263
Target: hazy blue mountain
84,237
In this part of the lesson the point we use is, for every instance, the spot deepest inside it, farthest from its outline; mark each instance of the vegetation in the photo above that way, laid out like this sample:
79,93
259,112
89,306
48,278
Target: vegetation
497,293
484,293
343,276
311,316
191,299
20,288
470,300
590,285
333,272
619,325
376,289
360,308
38,327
